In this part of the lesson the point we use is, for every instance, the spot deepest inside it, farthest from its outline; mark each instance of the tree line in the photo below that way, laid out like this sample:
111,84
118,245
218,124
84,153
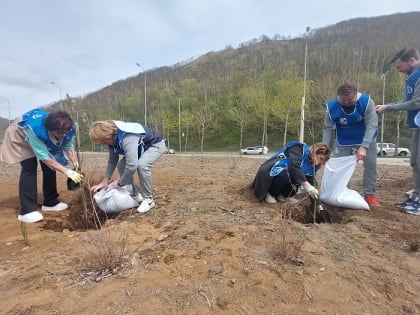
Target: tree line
252,95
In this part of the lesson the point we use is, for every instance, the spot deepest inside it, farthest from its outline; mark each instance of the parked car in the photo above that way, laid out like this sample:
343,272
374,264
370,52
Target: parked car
252,150
389,149
263,148
169,151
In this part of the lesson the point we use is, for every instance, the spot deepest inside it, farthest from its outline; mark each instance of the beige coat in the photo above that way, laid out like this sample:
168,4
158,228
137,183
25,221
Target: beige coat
15,148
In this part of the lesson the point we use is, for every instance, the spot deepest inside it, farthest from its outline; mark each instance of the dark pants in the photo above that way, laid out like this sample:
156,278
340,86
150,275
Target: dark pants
287,186
28,191
281,184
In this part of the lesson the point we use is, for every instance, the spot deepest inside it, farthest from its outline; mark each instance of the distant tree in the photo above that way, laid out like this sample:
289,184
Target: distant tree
203,117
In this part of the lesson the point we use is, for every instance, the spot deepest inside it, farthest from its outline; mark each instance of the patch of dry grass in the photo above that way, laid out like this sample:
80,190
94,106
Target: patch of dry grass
105,251
288,243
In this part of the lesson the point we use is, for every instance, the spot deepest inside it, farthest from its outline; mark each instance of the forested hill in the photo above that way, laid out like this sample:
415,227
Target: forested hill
252,94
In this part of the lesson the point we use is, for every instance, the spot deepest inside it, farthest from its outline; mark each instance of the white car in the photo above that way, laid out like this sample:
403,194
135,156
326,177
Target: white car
169,151
263,148
389,149
252,150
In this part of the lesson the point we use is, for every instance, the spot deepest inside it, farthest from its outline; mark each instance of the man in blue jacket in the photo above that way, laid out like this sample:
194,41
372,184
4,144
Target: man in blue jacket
355,121
407,61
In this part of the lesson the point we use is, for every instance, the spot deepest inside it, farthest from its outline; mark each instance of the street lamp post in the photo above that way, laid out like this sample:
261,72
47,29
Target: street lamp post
179,124
383,77
302,110
61,102
8,107
145,93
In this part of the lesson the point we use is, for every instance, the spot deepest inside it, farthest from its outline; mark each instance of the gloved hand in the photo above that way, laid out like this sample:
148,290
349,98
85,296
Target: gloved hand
311,190
74,176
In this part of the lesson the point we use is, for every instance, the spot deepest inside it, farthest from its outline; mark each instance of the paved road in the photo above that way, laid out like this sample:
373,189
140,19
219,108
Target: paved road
381,160
394,161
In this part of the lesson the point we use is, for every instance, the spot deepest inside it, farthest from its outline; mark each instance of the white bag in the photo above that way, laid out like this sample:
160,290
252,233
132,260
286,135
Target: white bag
334,191
112,200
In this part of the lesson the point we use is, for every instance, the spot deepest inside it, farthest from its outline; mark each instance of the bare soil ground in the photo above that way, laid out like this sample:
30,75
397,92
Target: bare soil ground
210,248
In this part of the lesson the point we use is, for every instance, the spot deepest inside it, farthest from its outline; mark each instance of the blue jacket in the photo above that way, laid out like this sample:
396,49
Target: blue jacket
307,168
410,84
350,128
147,136
35,119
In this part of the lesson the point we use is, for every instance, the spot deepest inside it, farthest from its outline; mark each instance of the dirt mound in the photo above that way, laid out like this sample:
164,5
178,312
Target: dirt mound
208,247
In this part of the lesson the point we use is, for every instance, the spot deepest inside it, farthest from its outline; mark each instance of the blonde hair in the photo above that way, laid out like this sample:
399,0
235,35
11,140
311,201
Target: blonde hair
102,129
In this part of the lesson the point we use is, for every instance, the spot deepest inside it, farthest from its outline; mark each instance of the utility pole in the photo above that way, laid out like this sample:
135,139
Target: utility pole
179,124
383,77
302,110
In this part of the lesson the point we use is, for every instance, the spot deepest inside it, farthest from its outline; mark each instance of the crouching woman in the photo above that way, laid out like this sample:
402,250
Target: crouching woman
293,166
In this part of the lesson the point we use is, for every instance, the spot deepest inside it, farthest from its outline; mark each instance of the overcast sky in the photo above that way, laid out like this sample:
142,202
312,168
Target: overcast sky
85,45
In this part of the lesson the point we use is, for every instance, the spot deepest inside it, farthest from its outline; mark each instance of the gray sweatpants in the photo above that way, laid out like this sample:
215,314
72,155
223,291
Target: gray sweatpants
369,165
146,161
415,160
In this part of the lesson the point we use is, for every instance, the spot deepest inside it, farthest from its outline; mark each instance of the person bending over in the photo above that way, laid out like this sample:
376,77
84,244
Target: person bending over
291,167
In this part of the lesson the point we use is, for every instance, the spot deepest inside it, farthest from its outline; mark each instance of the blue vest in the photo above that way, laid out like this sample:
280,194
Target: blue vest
125,128
34,119
410,84
307,168
350,128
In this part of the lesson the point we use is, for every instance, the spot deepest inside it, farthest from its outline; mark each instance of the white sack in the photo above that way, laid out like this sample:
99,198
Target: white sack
112,200
334,191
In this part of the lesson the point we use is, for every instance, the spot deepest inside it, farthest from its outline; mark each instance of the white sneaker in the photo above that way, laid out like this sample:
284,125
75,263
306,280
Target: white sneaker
146,205
282,198
58,207
269,198
301,190
31,217
138,198
292,199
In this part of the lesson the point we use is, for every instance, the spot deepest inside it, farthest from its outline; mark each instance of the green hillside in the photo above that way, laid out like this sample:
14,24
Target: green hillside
252,94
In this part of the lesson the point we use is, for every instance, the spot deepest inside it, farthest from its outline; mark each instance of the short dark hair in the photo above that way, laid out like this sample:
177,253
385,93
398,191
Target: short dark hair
346,88
405,55
59,121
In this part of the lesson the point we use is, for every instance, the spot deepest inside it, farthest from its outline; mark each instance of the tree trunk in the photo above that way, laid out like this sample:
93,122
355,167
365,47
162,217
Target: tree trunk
285,129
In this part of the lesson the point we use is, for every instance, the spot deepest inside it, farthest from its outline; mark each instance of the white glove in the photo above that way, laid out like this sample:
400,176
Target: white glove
312,191
74,176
